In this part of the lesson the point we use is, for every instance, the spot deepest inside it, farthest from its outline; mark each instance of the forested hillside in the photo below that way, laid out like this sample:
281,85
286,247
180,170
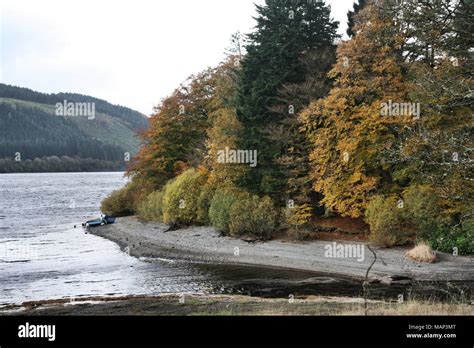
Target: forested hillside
30,129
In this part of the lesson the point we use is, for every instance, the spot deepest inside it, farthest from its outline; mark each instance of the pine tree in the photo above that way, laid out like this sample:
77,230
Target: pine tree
285,32
438,150
351,16
294,159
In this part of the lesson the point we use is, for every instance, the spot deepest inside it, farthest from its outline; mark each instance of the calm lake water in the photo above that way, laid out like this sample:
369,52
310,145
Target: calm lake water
42,255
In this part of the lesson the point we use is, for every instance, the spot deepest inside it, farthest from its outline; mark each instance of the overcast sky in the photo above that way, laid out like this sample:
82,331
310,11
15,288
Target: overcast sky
132,53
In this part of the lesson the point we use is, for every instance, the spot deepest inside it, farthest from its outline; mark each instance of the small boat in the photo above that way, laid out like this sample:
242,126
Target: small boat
103,220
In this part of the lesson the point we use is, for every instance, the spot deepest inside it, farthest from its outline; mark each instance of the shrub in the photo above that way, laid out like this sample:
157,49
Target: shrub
125,201
384,218
420,216
180,197
151,209
446,239
120,202
221,204
253,215
204,203
422,207
297,221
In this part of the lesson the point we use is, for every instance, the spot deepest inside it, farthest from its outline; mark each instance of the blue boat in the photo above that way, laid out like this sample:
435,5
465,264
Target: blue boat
103,220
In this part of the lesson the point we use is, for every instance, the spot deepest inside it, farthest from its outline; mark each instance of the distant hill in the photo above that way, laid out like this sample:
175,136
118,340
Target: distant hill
30,126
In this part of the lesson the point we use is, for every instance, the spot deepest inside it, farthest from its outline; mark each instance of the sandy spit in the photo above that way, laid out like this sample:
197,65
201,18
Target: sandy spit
205,244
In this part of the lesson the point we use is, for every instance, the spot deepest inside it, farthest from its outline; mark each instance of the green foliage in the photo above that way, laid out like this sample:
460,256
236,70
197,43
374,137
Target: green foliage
151,209
322,138
423,209
204,203
29,125
351,15
180,199
285,32
132,118
55,164
120,202
385,220
418,215
34,133
219,210
459,237
252,215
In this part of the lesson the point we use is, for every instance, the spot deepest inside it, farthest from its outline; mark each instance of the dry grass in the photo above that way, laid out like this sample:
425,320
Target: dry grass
422,253
422,308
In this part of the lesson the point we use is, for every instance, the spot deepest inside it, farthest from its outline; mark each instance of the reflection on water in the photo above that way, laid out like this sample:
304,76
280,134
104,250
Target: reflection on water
42,255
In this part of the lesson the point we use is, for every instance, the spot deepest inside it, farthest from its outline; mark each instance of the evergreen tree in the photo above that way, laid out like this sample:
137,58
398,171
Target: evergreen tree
291,133
351,15
438,150
286,31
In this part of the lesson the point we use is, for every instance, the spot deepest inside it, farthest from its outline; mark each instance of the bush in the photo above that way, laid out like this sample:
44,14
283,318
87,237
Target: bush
221,204
297,221
120,202
117,203
180,197
385,220
151,209
125,201
417,216
460,237
204,203
253,215
423,209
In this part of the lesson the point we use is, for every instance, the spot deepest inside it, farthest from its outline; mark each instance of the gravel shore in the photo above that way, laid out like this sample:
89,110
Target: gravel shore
205,244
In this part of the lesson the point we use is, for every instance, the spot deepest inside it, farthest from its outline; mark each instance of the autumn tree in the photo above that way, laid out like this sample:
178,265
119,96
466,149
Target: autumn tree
224,128
350,137
175,139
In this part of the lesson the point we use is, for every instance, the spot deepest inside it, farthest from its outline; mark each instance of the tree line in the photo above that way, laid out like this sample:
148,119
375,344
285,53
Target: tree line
33,133
135,120
63,164
377,127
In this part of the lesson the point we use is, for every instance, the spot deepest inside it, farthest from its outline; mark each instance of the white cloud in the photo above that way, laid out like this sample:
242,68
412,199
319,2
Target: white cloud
131,53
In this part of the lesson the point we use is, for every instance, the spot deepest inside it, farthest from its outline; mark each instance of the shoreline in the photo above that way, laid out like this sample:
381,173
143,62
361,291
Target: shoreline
229,305
205,244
